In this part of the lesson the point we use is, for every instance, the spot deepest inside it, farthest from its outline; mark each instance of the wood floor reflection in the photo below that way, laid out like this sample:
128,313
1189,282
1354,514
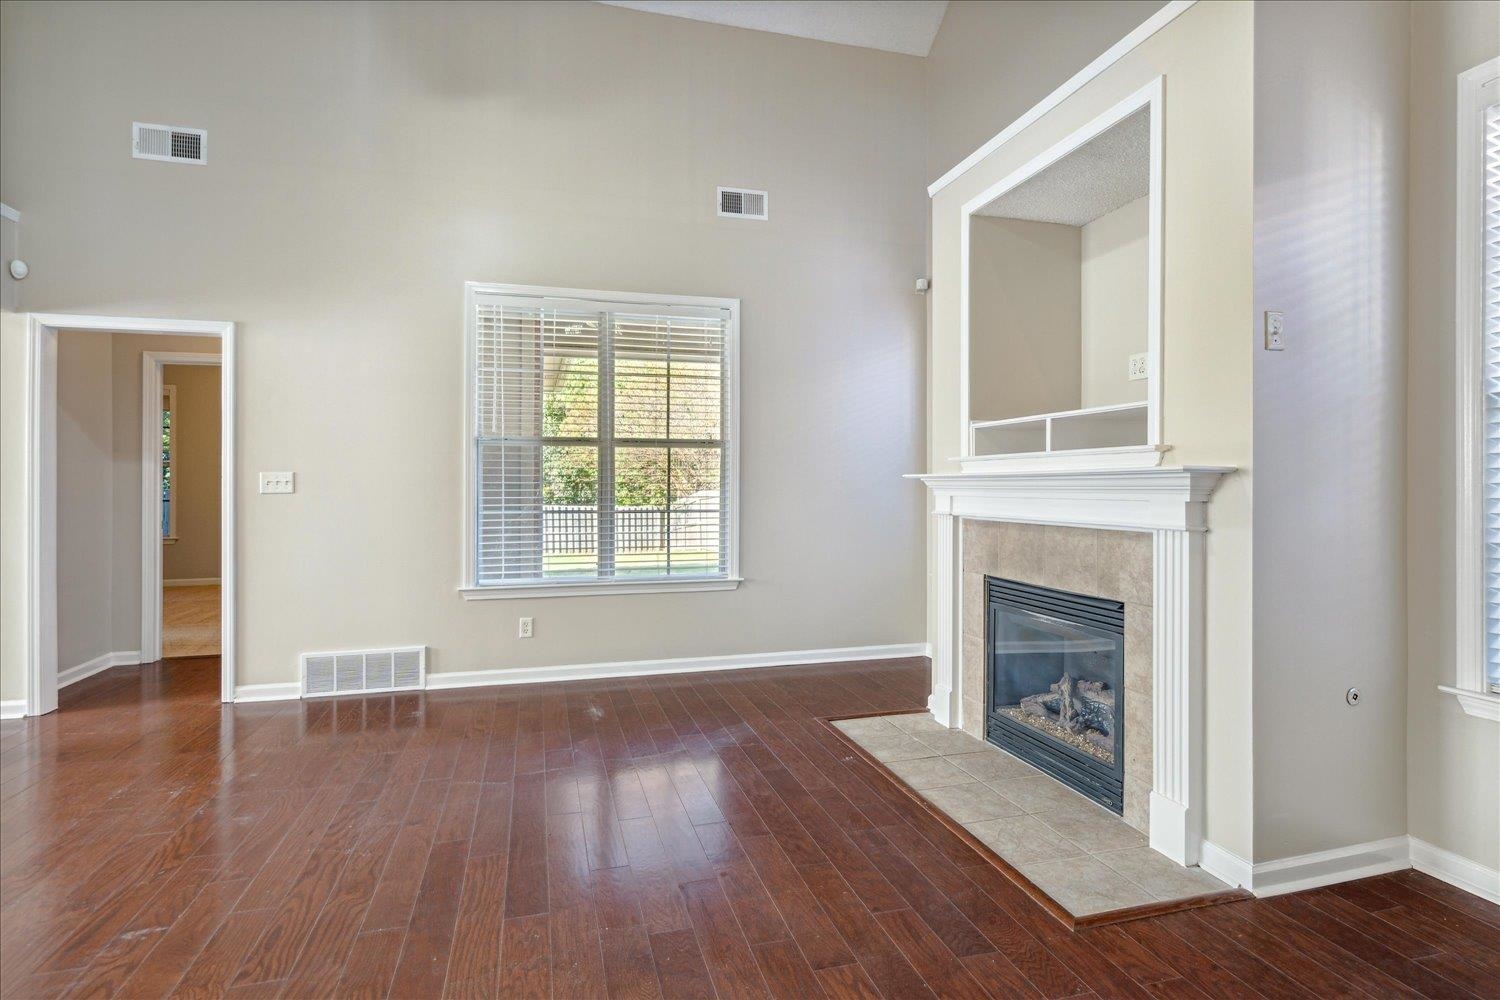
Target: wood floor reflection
699,835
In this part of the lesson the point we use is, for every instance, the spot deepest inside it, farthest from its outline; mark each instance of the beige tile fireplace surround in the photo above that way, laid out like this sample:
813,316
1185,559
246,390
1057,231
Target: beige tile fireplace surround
1098,563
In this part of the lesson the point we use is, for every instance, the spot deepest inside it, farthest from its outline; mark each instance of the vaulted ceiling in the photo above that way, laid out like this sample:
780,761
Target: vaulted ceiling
906,26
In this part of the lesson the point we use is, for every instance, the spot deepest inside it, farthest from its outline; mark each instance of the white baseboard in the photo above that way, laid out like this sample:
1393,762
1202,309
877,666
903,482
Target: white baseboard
1456,870
13,709
202,581
1226,866
1320,868
624,668
119,658
681,665
268,692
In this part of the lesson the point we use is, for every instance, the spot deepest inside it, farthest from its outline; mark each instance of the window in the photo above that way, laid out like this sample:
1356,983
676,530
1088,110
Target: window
602,442
1490,309
168,419
1477,327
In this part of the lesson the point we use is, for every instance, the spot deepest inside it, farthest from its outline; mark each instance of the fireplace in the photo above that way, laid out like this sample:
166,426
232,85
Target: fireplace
1056,684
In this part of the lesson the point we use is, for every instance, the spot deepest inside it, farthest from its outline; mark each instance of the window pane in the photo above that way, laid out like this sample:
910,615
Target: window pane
640,526
640,396
1491,316
570,396
694,399
570,498
696,517
668,377
508,511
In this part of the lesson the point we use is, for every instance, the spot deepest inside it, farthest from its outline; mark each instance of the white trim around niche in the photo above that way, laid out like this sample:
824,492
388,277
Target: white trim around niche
1163,17
1152,97
1468,330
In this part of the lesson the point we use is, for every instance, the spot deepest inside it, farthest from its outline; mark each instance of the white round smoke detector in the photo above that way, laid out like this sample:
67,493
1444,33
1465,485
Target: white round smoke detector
19,269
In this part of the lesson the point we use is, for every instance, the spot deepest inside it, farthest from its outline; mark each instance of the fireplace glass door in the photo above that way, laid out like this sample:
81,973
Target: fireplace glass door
1056,691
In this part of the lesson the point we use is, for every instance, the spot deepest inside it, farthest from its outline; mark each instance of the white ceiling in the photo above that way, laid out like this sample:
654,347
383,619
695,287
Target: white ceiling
1107,172
906,26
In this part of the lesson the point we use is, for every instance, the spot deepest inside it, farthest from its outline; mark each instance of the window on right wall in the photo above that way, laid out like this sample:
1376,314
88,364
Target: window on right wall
1477,326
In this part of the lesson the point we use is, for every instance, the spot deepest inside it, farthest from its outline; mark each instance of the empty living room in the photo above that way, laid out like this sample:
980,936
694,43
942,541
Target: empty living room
787,498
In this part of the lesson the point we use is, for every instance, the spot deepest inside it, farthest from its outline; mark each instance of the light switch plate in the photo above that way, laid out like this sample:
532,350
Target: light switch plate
1138,369
1275,331
278,482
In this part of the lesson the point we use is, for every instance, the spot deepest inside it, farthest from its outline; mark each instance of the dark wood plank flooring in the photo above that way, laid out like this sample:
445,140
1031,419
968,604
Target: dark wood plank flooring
696,836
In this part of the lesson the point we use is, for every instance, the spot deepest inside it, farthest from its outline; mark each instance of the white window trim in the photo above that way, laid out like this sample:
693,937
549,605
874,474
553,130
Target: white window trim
1469,680
575,588
170,391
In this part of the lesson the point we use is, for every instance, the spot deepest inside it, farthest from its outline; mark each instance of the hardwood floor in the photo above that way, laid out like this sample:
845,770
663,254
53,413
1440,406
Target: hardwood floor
697,836
190,621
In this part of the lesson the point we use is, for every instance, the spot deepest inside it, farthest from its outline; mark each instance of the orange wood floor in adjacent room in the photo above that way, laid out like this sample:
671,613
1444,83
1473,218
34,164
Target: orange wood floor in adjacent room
699,835
190,621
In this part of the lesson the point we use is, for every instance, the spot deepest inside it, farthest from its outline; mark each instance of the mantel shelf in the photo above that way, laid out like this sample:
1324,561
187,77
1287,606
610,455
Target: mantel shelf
1126,498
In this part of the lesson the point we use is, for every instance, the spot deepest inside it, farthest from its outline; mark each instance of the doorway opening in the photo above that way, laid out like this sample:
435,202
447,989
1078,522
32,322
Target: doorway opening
181,448
121,471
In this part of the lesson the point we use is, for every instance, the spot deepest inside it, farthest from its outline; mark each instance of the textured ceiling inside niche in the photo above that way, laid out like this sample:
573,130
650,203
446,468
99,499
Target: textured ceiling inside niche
1108,171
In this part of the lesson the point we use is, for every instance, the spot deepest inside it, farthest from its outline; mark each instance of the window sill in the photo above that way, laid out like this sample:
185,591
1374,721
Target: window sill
169,540
597,589
1480,703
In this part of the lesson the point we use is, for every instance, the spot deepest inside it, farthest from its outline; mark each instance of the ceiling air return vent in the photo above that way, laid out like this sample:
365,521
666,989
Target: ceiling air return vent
168,142
368,671
741,203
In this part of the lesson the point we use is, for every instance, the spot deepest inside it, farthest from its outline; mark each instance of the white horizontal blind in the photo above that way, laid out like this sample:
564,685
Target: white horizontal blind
1491,312
600,441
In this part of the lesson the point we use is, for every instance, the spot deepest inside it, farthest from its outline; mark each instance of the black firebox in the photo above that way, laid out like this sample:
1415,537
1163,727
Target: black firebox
1057,684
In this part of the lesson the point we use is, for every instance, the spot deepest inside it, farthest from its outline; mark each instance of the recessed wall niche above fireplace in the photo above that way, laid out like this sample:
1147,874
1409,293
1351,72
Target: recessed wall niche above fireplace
1060,281
1056,684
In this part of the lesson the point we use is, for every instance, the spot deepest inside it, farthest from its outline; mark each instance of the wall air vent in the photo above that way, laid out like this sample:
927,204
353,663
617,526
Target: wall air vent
368,671
740,203
168,142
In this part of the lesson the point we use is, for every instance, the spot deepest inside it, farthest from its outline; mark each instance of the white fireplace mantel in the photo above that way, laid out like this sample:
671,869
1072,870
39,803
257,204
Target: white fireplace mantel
1171,503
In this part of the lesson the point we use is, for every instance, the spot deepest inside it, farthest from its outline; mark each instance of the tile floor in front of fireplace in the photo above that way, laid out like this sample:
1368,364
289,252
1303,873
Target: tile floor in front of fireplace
1082,855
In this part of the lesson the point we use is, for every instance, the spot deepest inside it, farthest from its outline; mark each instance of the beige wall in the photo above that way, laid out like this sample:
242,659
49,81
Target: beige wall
10,288
1113,311
12,474
1023,318
399,150
1206,57
13,597
990,62
85,495
195,466
1453,800
1330,586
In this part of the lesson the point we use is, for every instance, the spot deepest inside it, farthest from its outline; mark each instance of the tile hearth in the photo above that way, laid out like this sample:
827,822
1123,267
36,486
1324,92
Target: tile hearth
1083,856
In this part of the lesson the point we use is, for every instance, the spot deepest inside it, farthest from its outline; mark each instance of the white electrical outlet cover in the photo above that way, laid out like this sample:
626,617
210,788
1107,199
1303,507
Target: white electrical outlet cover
1275,331
1138,370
